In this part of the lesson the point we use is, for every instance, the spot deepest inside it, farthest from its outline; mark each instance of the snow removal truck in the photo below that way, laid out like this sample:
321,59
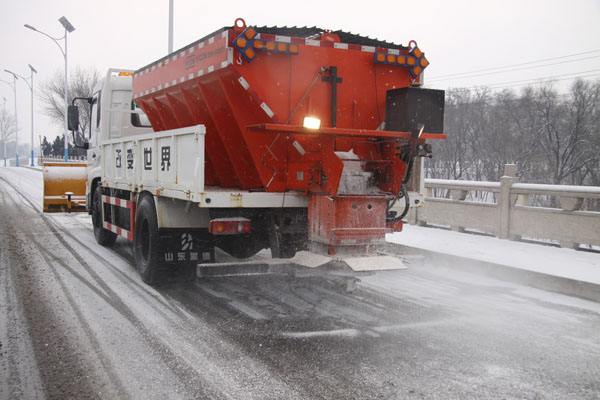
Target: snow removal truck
293,139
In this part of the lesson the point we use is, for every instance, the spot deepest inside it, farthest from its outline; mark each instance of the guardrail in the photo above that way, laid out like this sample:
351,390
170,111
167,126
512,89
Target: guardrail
505,209
60,159
24,161
11,161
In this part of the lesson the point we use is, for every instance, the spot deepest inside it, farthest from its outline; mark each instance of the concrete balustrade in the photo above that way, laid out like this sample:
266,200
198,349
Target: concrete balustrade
508,212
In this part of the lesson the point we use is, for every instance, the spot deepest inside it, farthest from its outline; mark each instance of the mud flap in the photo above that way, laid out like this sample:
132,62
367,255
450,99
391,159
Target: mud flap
186,247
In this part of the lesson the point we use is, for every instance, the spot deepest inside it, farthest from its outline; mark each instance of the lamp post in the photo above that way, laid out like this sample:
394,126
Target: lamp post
14,85
68,29
30,84
171,26
4,138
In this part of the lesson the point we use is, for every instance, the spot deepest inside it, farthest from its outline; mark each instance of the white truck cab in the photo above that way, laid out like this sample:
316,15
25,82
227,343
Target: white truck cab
113,115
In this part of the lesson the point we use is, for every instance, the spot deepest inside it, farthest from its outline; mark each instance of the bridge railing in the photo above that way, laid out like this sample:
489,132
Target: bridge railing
59,159
508,209
25,161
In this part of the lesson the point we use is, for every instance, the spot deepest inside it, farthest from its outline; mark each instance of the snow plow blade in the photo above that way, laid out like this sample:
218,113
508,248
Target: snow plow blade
64,186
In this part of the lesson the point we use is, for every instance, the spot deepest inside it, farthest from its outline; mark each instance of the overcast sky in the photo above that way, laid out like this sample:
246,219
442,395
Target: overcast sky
457,36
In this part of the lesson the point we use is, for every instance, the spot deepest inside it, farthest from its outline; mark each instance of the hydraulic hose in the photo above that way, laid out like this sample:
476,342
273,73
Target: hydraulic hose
409,159
403,194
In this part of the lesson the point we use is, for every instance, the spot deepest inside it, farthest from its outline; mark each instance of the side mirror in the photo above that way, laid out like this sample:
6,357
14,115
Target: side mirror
76,141
73,118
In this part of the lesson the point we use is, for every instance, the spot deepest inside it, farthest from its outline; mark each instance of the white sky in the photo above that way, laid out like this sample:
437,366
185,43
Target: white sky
457,36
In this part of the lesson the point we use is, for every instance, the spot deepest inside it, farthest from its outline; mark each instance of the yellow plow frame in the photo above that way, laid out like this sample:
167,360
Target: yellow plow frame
64,186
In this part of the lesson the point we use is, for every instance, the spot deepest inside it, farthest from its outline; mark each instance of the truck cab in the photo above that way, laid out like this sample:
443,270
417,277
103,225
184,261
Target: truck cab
113,114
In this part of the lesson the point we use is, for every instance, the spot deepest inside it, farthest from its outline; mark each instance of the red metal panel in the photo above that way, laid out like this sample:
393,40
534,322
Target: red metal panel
347,220
230,133
282,81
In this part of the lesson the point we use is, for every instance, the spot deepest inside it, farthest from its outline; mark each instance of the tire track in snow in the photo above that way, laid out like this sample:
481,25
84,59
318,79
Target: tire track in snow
187,374
224,382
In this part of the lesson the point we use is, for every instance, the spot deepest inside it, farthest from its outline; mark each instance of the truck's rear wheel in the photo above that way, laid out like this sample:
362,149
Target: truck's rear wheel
103,236
146,242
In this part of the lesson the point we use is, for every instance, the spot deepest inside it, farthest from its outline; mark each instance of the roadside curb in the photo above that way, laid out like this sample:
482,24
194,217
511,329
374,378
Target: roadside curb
539,280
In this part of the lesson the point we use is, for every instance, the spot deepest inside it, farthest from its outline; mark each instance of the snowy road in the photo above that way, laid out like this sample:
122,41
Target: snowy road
77,322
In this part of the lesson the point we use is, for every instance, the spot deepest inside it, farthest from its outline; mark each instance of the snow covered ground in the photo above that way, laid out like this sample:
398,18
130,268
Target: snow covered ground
566,263
77,322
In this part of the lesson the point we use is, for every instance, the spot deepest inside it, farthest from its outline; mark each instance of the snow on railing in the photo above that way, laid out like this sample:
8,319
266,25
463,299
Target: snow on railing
509,211
61,159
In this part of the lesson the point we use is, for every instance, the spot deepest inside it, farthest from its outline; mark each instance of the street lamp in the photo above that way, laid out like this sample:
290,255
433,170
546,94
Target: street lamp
6,133
171,26
68,29
14,85
30,84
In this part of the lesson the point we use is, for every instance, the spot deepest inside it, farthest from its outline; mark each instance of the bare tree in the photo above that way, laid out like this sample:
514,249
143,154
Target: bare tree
566,132
552,137
81,84
454,158
7,129
593,167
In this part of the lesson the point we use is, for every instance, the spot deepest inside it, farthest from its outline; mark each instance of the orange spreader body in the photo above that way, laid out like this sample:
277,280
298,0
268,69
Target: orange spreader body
245,104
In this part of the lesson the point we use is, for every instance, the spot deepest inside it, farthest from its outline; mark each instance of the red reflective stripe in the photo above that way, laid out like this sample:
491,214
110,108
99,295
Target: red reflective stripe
115,201
119,231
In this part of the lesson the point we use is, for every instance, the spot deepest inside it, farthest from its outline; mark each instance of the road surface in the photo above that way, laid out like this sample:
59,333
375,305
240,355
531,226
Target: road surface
76,321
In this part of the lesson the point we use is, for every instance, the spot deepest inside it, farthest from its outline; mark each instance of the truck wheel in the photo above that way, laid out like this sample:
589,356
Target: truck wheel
146,242
103,236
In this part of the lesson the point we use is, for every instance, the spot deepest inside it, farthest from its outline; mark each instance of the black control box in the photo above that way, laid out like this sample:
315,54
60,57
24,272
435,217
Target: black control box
406,109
